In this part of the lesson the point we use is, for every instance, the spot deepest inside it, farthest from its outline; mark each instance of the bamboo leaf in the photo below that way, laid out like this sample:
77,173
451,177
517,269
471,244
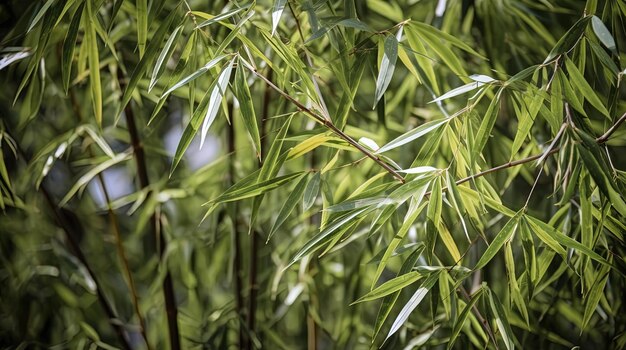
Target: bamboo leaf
412,135
221,17
486,125
311,192
69,45
191,77
583,86
458,325
414,302
242,92
94,64
391,286
325,235
142,25
593,298
389,300
568,40
216,99
254,189
603,33
160,64
277,12
387,66
501,321
505,235
289,205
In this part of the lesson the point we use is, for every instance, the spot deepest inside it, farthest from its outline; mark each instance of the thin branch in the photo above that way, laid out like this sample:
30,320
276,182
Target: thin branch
74,246
121,251
168,285
605,137
328,124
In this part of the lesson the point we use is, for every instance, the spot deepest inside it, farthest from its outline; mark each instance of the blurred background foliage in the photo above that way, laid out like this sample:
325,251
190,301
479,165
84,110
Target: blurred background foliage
207,174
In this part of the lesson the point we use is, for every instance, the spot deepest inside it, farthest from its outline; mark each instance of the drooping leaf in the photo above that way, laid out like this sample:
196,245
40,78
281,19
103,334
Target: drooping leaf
603,33
159,66
289,205
277,12
458,325
387,66
568,40
391,286
94,63
412,135
69,45
311,191
502,237
142,25
221,17
414,302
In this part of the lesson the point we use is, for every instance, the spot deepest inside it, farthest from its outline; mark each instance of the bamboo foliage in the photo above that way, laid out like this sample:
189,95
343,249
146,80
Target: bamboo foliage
319,174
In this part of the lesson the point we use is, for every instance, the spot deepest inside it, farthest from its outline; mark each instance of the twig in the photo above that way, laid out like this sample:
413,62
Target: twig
605,137
70,236
121,251
168,285
328,124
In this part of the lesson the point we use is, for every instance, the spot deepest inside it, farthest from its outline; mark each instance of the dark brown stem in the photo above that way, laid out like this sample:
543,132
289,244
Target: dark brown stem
233,208
605,137
328,124
71,237
121,251
156,226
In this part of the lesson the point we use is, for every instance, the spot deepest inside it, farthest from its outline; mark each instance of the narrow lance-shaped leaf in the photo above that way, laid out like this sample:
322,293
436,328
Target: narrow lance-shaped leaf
159,66
254,189
458,325
212,63
289,205
277,12
216,99
316,242
489,120
200,115
593,298
479,80
414,302
603,33
568,40
142,25
387,65
144,63
501,321
412,135
503,236
390,300
583,86
68,46
242,92
42,11
391,286
221,17
94,63
311,191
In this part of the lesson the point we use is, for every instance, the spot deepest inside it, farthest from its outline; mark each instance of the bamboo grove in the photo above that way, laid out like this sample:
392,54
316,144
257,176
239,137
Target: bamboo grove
312,174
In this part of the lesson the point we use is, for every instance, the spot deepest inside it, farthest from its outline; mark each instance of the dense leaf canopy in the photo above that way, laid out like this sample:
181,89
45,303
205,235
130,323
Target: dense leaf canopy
312,174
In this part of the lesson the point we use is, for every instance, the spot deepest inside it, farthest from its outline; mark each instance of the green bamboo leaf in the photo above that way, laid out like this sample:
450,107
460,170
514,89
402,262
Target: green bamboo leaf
458,325
142,25
514,289
459,91
94,63
193,76
69,45
456,200
532,103
448,241
434,32
391,286
205,114
289,205
242,92
447,55
603,33
325,235
414,302
489,120
277,12
412,135
586,90
221,17
501,321
311,192
146,60
568,40
435,203
594,295
216,99
42,11
167,51
415,208
387,66
505,235
390,300
80,184
569,242
254,189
